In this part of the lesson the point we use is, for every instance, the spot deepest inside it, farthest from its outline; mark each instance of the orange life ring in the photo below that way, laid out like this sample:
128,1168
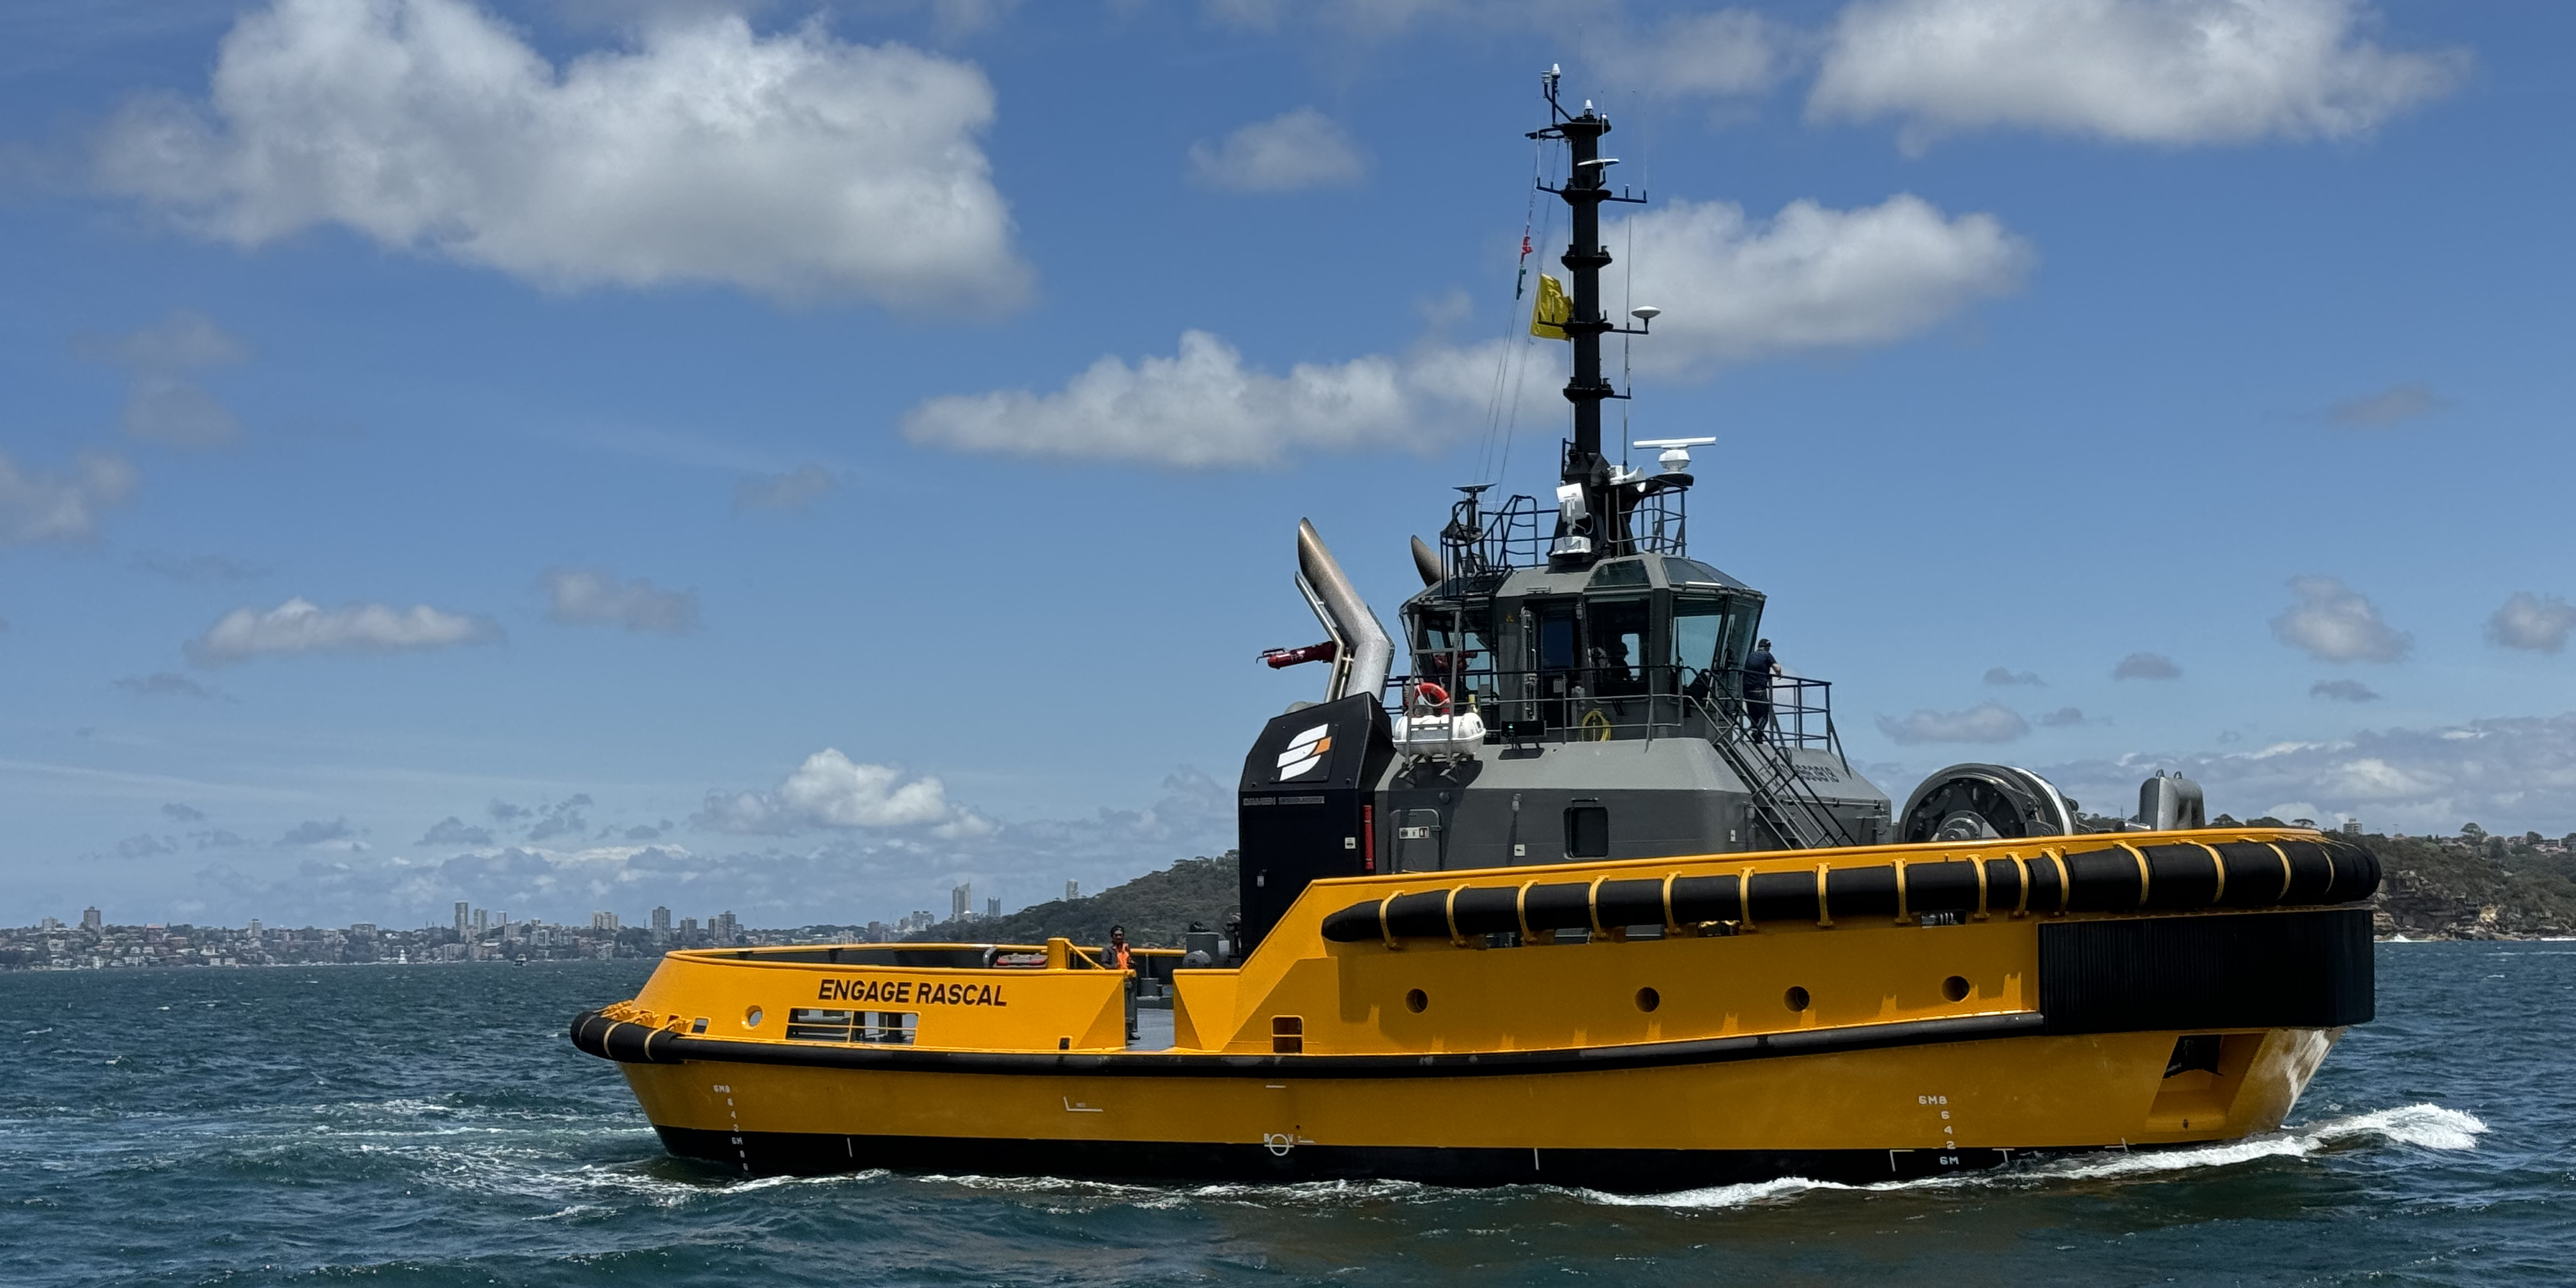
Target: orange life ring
1435,695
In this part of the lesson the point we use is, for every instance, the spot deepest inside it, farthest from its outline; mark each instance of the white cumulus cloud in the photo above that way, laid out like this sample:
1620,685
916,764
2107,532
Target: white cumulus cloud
794,165
1299,149
2332,622
2536,622
1204,408
1984,722
2509,774
299,626
2173,72
588,597
59,507
1733,289
832,791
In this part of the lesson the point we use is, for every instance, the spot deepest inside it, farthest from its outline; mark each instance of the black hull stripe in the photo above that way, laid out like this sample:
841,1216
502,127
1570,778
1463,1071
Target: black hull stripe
1626,1171
602,1037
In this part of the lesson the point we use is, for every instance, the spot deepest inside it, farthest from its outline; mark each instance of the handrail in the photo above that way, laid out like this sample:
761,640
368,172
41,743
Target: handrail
1655,701
1781,797
1521,532
1791,808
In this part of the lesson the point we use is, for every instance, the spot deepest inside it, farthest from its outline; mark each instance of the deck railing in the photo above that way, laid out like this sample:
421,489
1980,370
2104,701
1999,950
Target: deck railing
1603,702
1521,532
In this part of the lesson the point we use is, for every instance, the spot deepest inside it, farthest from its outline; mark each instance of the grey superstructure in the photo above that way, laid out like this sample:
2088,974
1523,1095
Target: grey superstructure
1571,684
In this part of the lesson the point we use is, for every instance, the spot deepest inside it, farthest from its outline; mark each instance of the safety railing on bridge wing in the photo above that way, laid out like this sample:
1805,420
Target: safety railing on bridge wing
1522,532
1598,703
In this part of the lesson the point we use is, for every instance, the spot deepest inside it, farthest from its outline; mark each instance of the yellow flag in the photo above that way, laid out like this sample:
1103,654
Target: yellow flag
1549,312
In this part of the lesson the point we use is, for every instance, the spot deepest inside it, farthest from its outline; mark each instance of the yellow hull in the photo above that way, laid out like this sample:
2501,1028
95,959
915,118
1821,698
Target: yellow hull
1855,1117
1840,1048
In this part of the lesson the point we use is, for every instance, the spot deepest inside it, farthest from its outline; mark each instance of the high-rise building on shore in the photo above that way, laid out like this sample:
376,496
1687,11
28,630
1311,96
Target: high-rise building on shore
90,919
461,923
603,921
1072,891
661,923
992,910
961,901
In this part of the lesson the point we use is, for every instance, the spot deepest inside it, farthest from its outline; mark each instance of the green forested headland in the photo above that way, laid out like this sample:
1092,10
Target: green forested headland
2474,887
1155,908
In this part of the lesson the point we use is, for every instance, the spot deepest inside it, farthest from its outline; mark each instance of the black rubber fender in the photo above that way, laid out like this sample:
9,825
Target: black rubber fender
2170,876
596,1034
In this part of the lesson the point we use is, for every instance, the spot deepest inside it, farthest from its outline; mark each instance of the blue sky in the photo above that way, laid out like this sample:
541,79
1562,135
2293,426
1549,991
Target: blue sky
794,458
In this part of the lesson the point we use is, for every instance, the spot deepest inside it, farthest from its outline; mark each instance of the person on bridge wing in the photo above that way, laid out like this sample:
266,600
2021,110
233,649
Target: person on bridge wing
1759,670
1118,957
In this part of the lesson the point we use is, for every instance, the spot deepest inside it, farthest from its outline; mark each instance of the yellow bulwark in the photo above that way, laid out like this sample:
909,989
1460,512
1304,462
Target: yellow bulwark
1624,1055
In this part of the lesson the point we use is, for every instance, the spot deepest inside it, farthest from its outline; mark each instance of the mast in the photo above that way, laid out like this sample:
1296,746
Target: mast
1593,519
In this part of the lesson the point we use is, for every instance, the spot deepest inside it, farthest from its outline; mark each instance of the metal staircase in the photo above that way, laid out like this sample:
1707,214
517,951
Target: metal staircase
1781,799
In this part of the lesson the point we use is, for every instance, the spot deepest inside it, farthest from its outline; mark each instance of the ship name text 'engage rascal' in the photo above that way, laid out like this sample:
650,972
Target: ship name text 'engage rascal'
910,992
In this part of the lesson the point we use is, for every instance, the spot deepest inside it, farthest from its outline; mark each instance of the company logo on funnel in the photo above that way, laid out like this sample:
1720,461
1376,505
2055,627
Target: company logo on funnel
1305,753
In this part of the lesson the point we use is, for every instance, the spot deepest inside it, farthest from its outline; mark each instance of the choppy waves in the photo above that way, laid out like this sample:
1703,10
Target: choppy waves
279,1129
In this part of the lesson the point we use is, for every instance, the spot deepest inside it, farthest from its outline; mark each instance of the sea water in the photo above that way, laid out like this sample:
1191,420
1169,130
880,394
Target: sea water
430,1126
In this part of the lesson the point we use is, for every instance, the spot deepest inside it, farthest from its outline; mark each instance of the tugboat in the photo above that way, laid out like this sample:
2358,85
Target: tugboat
1590,897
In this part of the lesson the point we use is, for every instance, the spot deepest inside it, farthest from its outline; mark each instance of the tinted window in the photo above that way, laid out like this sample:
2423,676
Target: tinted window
1454,650
1618,645
1620,572
1697,624
1713,633
1680,571
1587,832
1556,641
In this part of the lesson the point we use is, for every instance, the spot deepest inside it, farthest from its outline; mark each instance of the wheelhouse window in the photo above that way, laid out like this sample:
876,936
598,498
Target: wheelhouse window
1454,650
1711,636
1691,572
1618,573
1618,648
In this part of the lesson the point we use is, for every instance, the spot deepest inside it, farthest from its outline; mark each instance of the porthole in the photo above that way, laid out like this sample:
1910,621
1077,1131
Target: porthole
1648,999
1416,1001
1796,998
1955,988
751,1018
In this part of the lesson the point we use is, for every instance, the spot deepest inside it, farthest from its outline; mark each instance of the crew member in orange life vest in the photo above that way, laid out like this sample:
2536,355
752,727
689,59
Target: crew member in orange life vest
1117,958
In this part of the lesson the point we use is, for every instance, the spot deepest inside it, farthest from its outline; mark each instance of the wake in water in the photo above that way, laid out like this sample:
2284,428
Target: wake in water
2423,1126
